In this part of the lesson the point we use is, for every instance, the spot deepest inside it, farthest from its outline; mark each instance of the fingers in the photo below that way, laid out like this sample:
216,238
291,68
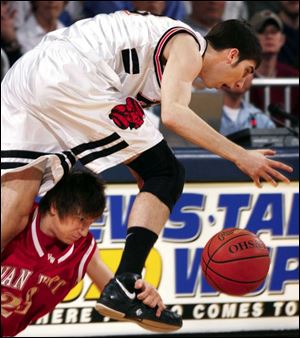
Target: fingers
267,152
276,174
150,296
139,284
256,180
160,308
280,165
269,179
271,176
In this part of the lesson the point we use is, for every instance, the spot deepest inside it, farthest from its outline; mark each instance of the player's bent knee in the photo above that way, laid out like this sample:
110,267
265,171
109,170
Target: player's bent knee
167,188
162,173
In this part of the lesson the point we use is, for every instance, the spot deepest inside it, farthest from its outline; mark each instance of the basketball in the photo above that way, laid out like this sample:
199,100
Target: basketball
235,261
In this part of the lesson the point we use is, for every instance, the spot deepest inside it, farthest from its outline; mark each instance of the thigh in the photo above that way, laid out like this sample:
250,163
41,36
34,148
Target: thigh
18,191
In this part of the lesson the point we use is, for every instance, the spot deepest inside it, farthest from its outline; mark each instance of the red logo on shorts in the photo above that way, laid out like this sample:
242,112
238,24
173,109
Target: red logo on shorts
129,115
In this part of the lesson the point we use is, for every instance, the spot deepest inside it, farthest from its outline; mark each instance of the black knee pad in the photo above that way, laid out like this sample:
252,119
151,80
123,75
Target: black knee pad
162,173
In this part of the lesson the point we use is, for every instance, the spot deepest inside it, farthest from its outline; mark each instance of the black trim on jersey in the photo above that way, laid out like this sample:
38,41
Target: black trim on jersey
126,53
135,61
103,153
126,62
12,165
32,155
91,145
70,157
206,45
66,156
63,162
144,101
160,57
21,154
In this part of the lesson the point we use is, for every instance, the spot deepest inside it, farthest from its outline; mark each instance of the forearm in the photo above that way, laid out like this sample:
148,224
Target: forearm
184,122
99,273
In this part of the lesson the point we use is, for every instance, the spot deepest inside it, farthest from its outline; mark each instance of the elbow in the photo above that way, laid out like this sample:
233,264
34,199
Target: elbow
167,117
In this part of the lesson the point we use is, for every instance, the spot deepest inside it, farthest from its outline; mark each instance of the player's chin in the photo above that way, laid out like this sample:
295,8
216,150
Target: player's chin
213,85
68,241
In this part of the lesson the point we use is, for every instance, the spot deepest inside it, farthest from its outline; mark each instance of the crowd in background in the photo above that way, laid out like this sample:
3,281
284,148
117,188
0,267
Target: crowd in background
24,23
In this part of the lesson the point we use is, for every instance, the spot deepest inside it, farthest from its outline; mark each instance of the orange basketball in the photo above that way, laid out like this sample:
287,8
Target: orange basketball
235,261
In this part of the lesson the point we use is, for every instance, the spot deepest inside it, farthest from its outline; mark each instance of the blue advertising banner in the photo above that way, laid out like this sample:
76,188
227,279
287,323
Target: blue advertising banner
173,266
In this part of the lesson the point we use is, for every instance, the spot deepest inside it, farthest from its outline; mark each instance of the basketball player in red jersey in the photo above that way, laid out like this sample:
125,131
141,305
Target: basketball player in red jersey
80,94
45,261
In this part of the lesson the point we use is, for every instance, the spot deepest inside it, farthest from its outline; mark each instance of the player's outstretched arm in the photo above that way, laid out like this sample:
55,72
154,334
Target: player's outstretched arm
183,65
99,272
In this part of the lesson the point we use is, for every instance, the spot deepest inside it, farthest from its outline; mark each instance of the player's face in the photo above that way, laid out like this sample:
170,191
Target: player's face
70,228
227,72
243,89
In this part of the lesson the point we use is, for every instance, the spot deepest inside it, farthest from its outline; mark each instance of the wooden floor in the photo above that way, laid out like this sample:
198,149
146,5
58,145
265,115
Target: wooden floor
254,334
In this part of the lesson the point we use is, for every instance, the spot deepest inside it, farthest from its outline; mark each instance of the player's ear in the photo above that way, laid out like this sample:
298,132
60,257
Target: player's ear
53,210
233,56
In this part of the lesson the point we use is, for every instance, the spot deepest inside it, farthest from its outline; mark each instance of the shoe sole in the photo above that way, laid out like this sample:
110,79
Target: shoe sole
157,326
145,324
108,312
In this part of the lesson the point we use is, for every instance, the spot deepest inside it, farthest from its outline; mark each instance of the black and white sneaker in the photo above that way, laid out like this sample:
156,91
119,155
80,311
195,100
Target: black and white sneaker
118,301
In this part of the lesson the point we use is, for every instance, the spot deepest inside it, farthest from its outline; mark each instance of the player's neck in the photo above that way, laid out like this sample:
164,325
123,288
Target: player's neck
212,57
46,224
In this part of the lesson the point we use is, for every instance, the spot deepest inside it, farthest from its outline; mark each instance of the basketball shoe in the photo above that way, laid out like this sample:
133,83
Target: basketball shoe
118,301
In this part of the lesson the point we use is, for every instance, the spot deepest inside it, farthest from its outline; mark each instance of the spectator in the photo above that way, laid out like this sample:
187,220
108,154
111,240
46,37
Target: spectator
205,14
153,7
72,12
289,15
173,9
237,114
235,10
44,19
9,41
269,30
22,12
75,11
258,6
92,8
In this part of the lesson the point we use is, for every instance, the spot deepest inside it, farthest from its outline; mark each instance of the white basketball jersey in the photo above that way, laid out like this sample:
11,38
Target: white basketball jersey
79,93
132,45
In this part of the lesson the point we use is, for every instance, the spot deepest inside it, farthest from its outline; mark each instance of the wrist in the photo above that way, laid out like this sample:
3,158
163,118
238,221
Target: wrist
237,154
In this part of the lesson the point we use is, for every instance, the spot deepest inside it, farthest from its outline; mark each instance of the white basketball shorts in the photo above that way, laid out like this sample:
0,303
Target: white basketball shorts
58,107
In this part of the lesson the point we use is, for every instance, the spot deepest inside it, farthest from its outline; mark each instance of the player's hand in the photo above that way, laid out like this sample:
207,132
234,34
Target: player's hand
258,166
149,296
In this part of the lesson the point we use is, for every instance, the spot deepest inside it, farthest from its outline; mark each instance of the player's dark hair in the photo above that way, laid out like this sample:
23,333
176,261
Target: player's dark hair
236,34
78,193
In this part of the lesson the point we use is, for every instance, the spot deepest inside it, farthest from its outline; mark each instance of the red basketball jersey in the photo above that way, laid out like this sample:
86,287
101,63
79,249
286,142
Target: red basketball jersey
37,272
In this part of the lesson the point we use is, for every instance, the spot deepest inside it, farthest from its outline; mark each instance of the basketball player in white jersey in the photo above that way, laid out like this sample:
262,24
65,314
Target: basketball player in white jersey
80,94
